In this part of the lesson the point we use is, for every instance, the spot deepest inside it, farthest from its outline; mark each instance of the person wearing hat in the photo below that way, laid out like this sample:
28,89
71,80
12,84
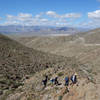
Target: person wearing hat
74,78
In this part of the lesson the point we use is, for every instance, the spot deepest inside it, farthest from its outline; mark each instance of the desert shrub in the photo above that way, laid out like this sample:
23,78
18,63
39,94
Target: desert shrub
74,65
56,88
60,74
29,98
91,79
60,97
90,70
95,73
4,97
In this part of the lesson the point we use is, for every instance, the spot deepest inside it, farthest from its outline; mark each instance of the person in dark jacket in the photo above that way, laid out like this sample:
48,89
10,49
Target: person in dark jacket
56,81
66,81
74,78
45,81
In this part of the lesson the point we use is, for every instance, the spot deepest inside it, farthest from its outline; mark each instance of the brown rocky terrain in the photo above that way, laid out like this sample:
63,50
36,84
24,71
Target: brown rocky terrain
18,62
85,47
72,45
85,89
64,55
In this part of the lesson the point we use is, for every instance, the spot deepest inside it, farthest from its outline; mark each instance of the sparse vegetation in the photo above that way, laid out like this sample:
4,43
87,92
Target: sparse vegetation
60,74
19,63
95,73
60,97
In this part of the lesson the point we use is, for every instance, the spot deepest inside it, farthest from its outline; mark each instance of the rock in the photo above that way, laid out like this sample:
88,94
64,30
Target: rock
39,87
16,96
63,91
27,76
1,92
47,97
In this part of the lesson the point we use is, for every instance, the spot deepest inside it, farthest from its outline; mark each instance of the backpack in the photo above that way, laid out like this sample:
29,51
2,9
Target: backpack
73,80
66,79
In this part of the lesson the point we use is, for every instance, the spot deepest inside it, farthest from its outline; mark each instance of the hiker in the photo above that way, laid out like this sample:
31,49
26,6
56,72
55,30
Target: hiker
74,78
52,81
45,81
66,81
56,81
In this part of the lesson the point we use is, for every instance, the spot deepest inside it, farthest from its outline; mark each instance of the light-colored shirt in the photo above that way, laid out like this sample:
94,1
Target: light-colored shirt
73,78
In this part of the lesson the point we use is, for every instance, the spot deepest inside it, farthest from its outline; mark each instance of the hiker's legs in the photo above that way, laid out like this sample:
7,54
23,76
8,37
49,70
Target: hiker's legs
67,83
45,83
56,82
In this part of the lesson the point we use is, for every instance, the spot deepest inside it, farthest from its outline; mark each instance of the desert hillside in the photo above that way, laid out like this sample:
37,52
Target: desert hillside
71,45
18,63
64,55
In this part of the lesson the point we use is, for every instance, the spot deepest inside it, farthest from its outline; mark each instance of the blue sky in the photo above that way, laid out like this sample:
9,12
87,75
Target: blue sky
50,12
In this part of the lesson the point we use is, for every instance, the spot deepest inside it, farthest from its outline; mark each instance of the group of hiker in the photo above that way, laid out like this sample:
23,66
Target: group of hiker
55,81
73,78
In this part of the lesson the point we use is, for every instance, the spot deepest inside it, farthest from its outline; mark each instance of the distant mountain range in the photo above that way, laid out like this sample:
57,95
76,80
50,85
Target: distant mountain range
38,30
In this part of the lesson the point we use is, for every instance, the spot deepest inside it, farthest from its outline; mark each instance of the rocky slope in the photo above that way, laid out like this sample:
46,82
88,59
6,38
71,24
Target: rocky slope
72,45
18,62
86,49
85,89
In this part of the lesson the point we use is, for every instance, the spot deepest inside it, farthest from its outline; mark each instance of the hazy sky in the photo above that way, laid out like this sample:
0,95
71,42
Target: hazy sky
84,13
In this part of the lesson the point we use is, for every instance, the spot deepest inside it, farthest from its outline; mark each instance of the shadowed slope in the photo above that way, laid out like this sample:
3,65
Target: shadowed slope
17,61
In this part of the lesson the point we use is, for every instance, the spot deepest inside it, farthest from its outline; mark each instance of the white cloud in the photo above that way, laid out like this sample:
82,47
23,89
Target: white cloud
94,19
39,15
94,14
41,19
71,15
52,14
20,17
12,23
68,15
10,17
24,17
44,20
